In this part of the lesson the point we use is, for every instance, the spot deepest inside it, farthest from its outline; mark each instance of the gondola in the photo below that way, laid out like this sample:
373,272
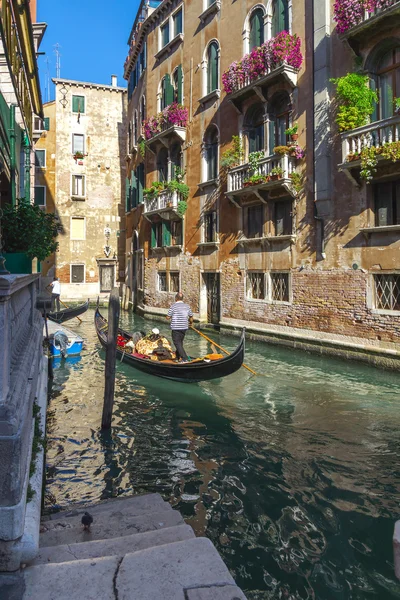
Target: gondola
68,313
185,372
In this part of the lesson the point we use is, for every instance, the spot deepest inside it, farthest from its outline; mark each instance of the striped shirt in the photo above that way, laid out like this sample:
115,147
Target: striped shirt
180,313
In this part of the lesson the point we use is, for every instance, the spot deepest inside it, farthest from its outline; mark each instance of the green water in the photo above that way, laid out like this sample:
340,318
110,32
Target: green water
294,475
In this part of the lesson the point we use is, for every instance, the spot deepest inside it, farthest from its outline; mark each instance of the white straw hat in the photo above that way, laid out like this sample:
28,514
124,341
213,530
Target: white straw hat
155,331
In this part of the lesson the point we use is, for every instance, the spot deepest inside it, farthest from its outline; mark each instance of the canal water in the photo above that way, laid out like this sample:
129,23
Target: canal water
293,474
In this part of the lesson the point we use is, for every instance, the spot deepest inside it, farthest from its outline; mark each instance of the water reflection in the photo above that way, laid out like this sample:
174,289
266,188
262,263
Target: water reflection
293,474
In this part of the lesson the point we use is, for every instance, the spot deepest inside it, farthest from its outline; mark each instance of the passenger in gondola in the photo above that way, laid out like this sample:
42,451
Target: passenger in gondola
162,352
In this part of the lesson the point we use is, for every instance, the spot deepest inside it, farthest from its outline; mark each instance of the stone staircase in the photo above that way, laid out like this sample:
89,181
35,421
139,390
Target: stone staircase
138,548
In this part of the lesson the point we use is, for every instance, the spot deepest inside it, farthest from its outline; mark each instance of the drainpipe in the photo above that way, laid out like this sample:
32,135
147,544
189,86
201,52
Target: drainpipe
12,155
27,152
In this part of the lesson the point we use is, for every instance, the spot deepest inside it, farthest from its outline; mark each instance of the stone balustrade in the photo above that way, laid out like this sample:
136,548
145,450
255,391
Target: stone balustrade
375,134
238,175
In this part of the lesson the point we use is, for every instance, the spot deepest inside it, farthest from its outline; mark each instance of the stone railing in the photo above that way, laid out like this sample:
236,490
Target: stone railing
238,175
352,17
164,200
376,134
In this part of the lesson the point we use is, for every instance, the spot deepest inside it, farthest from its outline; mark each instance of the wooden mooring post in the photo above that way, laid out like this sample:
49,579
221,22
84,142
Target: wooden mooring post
111,354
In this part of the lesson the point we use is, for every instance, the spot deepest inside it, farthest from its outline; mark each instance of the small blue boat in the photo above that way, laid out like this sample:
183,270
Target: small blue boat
63,341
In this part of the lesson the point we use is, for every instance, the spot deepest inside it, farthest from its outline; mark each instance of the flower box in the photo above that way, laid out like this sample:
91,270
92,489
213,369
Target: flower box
173,115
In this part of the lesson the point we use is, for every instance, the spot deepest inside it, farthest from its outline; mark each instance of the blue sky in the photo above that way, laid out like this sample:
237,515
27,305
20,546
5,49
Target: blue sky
92,35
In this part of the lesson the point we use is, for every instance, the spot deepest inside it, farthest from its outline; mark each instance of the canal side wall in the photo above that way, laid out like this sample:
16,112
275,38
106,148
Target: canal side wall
23,377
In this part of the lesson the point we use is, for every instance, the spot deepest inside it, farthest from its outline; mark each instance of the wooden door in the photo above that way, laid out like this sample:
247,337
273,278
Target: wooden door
106,278
213,297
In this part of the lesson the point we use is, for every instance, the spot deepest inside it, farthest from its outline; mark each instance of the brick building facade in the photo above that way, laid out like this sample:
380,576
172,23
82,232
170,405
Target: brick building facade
268,236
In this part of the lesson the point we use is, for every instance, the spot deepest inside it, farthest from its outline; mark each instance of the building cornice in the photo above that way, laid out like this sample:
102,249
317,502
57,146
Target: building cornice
88,84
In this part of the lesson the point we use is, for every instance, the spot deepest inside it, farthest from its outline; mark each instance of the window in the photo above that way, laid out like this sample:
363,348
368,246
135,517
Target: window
387,203
78,185
280,16
143,109
40,195
256,286
256,29
162,165
210,227
212,67
162,281
283,217
388,84
78,143
40,159
178,22
140,182
77,228
253,221
164,34
77,273
280,287
177,84
176,159
176,233
211,153
278,112
387,291
174,281
156,235
254,125
78,104
167,92
135,128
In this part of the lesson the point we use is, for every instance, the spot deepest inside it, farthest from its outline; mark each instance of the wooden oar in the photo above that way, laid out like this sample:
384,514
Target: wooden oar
80,320
220,347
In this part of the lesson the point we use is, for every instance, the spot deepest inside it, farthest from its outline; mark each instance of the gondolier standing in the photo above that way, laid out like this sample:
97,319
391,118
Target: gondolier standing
181,316
55,294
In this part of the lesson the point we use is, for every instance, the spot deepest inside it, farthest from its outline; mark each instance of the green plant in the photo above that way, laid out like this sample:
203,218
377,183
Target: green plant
277,171
234,156
292,130
254,161
155,189
27,228
396,104
297,181
256,179
142,148
356,101
390,151
282,150
78,154
172,186
368,163
182,207
179,174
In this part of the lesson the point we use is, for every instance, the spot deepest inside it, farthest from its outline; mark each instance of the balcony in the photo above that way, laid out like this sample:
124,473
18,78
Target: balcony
356,24
167,125
379,134
164,204
270,185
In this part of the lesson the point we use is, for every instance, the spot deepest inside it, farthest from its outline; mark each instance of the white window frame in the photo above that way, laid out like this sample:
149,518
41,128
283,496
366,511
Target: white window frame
204,66
84,228
72,185
45,158
269,281
45,198
267,24
166,282
172,36
208,10
204,163
84,273
372,299
72,143
72,103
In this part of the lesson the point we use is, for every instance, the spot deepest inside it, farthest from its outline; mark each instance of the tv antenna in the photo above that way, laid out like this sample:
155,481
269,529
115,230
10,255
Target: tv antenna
47,79
58,60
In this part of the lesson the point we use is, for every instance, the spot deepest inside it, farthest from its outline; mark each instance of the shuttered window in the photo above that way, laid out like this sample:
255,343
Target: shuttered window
77,273
254,221
212,68
40,195
47,123
178,23
77,228
256,28
387,203
280,16
78,104
140,182
166,233
133,190
283,218
127,195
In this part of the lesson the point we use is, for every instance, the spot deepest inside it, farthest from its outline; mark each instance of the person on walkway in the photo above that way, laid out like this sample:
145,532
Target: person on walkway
55,294
180,314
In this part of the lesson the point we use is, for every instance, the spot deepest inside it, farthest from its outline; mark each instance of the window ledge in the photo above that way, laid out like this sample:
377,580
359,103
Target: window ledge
381,311
167,48
214,95
208,244
215,7
256,240
268,239
208,183
382,229
80,198
174,247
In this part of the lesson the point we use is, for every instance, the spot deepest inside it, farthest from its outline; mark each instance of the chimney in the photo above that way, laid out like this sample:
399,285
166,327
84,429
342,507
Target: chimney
114,81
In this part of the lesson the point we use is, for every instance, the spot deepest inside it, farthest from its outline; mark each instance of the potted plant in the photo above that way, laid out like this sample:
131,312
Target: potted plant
234,156
255,180
353,156
276,173
396,105
282,150
292,132
78,155
28,233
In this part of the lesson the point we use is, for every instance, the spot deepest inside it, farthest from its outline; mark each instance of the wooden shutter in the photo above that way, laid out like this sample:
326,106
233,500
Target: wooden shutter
166,233
78,104
383,204
39,195
280,20
153,242
169,90
47,123
144,52
271,136
256,29
212,68
133,190
140,183
127,195
179,84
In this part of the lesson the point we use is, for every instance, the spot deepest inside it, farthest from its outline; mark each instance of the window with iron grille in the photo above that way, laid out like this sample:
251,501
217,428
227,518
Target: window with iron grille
210,227
280,287
174,281
387,203
162,281
387,291
77,273
254,221
256,285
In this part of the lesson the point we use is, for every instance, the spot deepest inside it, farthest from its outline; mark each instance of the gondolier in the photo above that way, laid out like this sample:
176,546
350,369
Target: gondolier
181,316
55,294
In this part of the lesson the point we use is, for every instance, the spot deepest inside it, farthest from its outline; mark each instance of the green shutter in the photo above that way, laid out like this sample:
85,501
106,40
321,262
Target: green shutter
271,136
212,68
166,233
280,21
78,104
256,29
140,183
47,123
39,196
153,242
127,195
144,52
169,90
133,190
180,81
178,23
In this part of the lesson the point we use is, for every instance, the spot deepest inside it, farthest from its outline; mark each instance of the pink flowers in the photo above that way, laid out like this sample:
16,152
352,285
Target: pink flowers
297,152
174,114
283,48
349,13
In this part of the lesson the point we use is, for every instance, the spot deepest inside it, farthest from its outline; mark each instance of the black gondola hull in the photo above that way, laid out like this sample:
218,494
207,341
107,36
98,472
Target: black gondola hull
186,372
68,313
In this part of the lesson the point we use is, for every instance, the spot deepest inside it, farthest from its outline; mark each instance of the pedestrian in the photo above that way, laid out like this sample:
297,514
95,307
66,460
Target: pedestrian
180,314
55,294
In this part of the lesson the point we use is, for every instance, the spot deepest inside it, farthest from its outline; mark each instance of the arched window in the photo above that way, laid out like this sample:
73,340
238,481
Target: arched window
388,83
135,129
254,125
211,153
177,81
129,138
278,112
256,29
142,108
167,92
212,67
280,16
162,165
176,159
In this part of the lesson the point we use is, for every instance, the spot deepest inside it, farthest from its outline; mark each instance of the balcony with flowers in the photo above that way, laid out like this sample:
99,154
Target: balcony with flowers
355,19
278,59
166,199
169,123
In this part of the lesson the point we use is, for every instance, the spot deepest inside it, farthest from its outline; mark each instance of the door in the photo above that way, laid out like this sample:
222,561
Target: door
213,303
106,278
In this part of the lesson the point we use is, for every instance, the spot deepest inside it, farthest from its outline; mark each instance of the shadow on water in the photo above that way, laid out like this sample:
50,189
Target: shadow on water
293,475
